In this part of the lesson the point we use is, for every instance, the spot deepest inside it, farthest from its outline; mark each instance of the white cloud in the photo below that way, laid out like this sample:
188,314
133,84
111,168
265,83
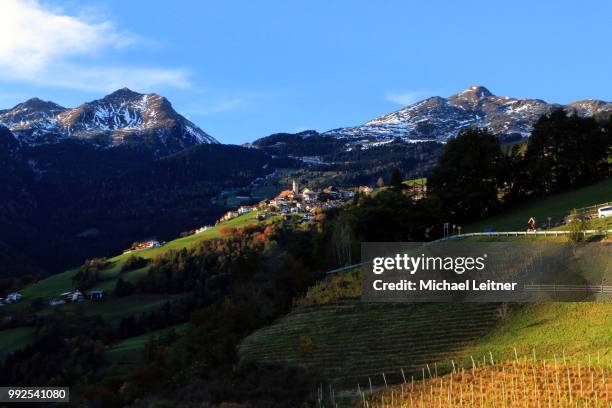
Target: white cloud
46,47
403,98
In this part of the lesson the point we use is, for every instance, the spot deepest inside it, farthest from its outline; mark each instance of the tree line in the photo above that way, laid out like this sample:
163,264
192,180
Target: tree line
474,178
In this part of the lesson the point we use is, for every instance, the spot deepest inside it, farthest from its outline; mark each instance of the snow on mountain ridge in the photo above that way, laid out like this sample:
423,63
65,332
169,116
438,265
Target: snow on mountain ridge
26,113
120,117
438,118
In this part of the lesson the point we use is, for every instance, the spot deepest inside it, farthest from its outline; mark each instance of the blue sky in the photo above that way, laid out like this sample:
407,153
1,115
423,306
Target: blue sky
245,69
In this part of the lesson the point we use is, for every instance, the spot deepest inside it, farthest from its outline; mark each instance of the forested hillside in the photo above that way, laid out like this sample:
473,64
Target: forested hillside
63,202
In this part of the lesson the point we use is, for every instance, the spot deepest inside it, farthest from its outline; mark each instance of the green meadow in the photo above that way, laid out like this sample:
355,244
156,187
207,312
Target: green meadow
62,282
556,206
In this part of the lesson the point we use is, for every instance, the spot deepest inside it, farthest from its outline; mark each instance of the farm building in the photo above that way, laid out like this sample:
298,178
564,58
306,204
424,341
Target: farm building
96,294
72,296
202,229
604,212
228,216
13,297
136,246
244,209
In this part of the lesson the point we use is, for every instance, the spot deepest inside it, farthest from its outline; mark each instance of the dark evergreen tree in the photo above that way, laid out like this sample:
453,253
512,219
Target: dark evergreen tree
469,176
564,151
396,179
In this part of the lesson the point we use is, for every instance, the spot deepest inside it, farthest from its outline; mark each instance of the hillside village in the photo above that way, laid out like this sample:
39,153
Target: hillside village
299,204
303,203
298,201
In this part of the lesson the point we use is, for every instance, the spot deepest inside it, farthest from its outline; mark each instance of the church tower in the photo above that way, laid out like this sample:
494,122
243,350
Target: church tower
295,187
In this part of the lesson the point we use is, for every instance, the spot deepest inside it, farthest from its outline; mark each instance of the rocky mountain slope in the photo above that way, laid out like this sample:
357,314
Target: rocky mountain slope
123,117
438,118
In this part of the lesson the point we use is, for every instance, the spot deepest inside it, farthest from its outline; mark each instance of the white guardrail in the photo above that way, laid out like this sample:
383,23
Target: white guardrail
524,233
491,234
606,289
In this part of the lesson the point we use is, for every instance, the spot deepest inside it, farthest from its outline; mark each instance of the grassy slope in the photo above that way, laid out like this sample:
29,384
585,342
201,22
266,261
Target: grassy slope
578,329
112,309
596,223
557,207
353,341
56,284
130,350
406,183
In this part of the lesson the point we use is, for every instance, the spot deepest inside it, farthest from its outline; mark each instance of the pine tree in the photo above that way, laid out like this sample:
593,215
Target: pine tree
396,179
469,175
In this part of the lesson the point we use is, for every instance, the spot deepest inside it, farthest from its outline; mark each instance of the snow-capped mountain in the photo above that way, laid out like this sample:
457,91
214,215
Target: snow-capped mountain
122,117
33,119
438,118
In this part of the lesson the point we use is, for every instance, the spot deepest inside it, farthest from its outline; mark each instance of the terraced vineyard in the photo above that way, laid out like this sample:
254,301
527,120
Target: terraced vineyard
347,343
520,382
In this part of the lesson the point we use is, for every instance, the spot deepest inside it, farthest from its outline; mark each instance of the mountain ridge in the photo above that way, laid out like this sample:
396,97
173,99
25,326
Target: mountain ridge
438,119
121,117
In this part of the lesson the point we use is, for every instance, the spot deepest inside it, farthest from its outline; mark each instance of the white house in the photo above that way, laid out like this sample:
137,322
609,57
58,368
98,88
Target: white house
14,297
309,195
228,216
347,195
96,294
77,296
71,296
143,245
202,229
604,212
244,209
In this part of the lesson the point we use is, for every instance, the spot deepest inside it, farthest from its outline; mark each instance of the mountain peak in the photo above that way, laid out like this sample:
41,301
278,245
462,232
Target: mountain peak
477,90
123,116
39,104
443,118
124,92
